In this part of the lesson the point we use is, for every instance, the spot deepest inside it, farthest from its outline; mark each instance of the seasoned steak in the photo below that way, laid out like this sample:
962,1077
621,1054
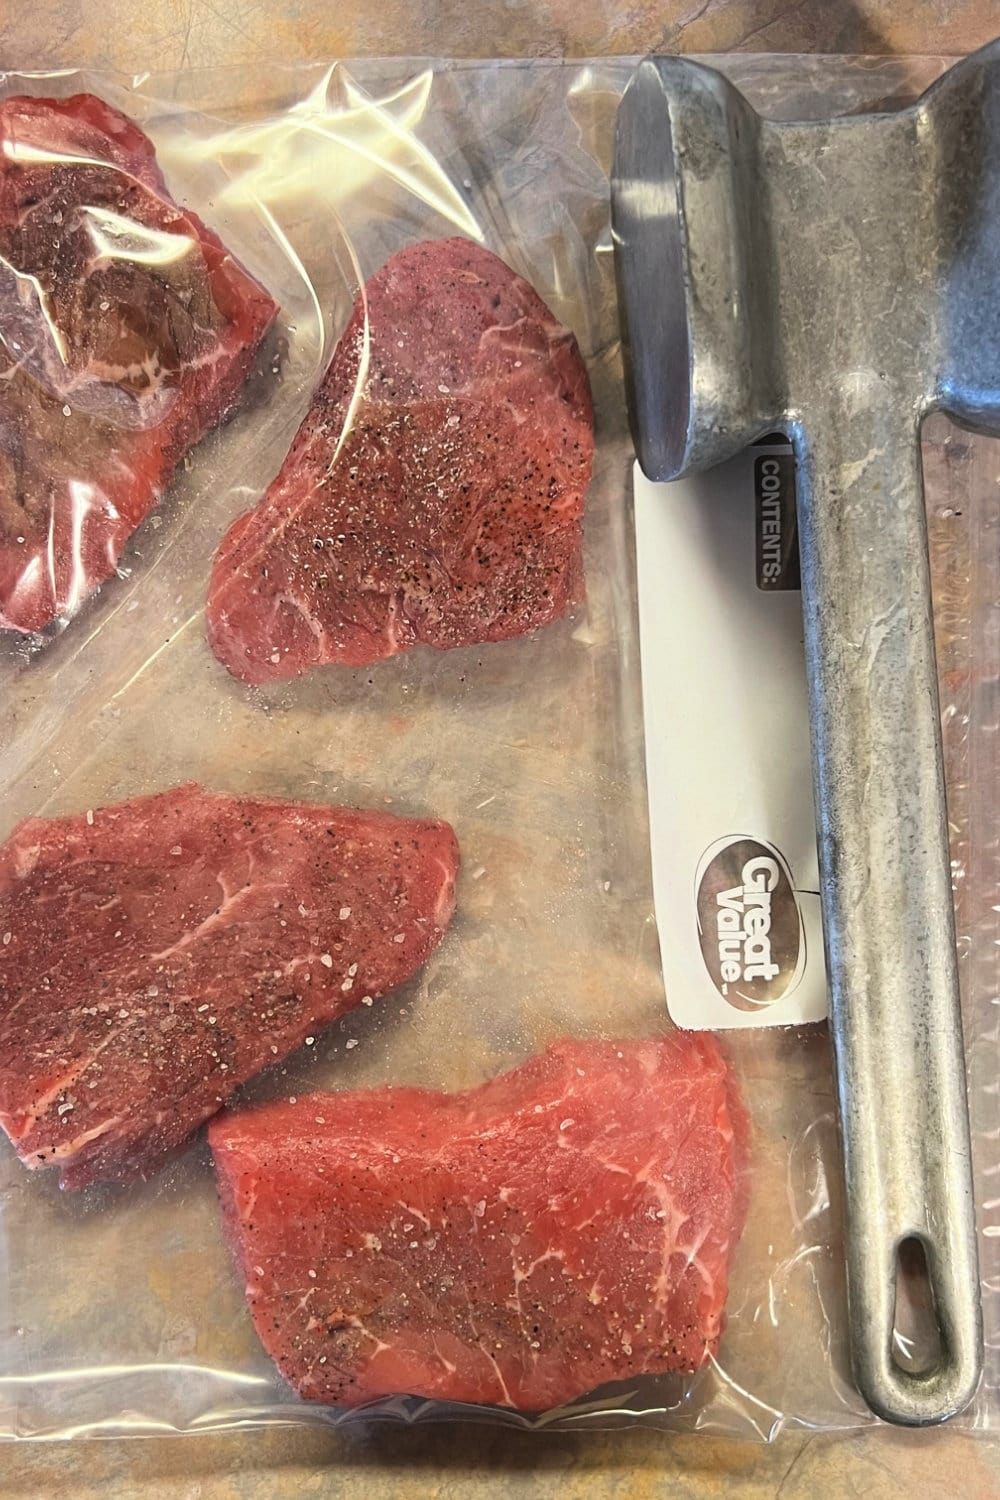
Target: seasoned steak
434,491
156,954
568,1224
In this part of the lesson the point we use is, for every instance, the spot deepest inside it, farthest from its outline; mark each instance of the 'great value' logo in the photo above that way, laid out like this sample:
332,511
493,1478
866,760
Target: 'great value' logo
749,922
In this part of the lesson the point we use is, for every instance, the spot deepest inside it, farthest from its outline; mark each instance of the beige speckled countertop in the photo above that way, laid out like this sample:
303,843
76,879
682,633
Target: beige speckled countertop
471,1463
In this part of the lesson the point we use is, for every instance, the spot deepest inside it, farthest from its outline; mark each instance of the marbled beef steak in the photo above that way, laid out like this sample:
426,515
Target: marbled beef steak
156,954
434,491
568,1224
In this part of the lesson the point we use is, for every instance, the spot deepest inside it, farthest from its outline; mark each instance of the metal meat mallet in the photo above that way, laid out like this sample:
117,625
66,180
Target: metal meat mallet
838,280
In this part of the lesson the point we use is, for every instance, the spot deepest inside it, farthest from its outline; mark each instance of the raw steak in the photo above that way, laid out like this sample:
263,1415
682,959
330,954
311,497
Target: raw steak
434,491
126,332
568,1224
155,954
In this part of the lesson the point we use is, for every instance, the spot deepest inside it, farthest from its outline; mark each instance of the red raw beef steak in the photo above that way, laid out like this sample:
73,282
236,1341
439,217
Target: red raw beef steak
434,491
568,1224
156,954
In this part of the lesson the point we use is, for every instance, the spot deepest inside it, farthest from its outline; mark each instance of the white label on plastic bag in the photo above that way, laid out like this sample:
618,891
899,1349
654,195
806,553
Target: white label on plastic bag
735,871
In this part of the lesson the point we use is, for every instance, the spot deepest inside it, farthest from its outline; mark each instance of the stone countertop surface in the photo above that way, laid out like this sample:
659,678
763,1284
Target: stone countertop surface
386,1462
136,35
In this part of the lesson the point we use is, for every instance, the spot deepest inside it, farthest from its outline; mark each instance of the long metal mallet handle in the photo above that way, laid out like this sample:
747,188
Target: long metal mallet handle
887,897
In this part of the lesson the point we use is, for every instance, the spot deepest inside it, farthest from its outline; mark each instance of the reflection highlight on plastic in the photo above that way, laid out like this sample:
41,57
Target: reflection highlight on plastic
84,500
90,1374
28,155
117,238
361,379
335,142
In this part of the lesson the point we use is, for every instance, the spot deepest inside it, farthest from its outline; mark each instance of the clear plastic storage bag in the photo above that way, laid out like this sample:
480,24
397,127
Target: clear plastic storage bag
119,1308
